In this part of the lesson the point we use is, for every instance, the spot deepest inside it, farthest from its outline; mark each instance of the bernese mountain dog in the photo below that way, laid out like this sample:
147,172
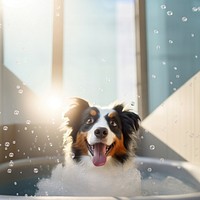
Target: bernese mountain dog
100,145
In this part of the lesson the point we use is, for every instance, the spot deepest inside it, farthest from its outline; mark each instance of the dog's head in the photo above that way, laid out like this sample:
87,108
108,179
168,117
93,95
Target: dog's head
101,132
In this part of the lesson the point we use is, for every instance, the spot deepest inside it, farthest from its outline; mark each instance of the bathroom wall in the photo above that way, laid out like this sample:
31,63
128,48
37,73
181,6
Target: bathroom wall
176,123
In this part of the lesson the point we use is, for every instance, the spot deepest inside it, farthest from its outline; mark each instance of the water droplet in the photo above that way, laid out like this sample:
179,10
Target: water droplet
149,169
20,91
11,155
5,128
39,149
175,68
157,47
25,128
156,31
11,163
153,76
9,171
163,7
50,144
16,112
28,121
184,19
35,170
152,147
162,160
7,144
169,13
195,9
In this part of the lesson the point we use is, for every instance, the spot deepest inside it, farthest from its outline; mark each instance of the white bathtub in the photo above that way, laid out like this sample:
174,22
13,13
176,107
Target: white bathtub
162,179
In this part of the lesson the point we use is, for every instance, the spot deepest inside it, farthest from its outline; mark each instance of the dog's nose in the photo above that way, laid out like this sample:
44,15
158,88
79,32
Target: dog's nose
101,132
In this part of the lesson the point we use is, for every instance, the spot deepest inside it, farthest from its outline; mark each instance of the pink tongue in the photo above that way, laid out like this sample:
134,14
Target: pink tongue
99,157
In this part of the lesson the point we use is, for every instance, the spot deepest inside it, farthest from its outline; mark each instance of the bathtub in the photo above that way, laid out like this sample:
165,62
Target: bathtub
161,179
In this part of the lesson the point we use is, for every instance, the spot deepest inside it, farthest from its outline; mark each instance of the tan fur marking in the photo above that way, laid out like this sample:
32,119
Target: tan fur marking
93,112
81,144
112,114
118,148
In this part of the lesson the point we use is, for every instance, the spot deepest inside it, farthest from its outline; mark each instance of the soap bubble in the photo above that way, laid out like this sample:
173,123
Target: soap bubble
7,144
5,128
11,155
152,147
184,19
20,91
35,170
163,7
169,13
149,169
16,112
9,171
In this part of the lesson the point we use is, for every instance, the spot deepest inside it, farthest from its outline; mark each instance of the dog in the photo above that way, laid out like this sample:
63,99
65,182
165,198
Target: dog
100,145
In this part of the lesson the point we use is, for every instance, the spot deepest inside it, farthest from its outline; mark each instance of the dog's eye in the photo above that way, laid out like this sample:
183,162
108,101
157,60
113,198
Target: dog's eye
113,123
90,120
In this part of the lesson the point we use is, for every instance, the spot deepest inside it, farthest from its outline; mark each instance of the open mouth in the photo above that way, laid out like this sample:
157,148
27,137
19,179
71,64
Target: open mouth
99,151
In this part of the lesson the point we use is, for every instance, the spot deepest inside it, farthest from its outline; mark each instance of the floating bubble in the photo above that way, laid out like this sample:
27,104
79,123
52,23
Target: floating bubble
7,144
14,142
149,169
18,87
196,56
184,19
174,89
28,121
164,63
192,34
175,68
158,47
20,91
152,147
11,163
5,128
9,171
177,76
16,112
15,183
156,31
162,160
169,13
171,41
163,7
153,76
11,155
35,170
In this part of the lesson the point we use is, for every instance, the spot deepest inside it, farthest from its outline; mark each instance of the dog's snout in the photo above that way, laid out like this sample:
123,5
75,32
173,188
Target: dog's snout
101,132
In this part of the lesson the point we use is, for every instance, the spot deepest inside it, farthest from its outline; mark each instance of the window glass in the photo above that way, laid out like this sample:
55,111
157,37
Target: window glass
99,50
173,49
27,41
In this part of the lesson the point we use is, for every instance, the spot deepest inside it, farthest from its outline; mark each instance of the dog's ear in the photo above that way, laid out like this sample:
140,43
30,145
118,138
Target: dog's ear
130,120
76,108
